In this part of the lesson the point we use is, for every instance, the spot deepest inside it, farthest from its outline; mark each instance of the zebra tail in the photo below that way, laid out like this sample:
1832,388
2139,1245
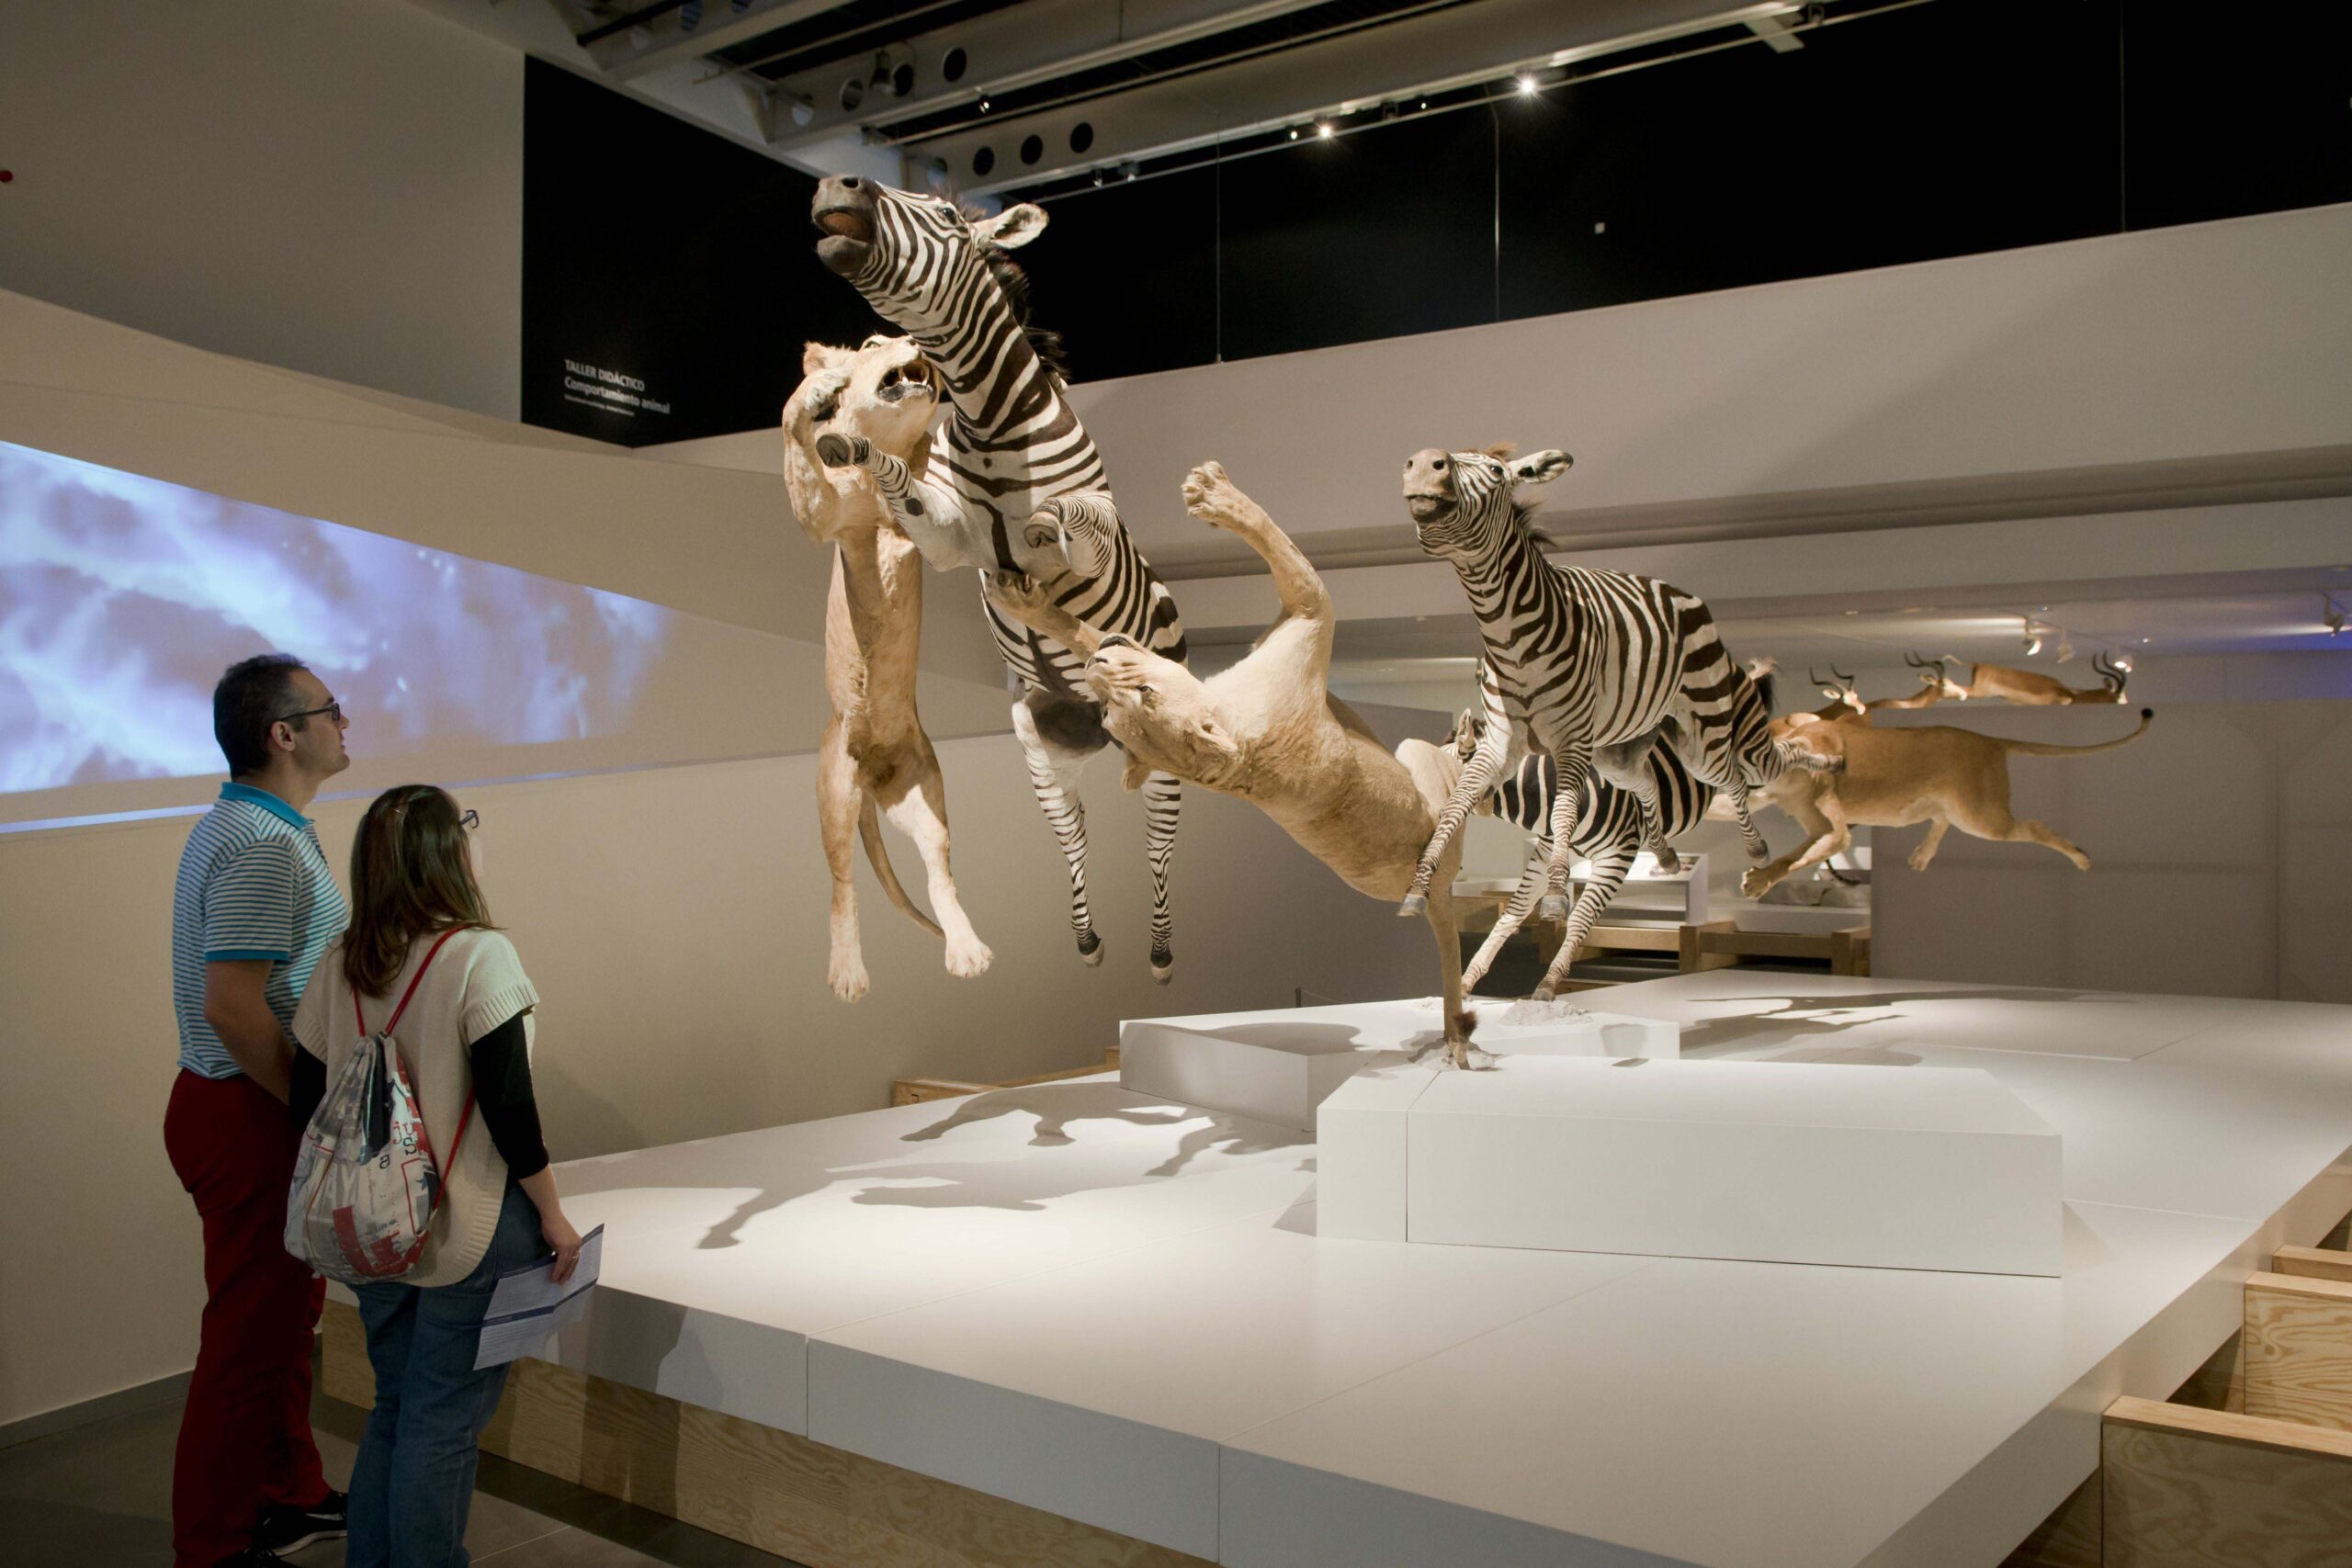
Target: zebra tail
870,828
2036,749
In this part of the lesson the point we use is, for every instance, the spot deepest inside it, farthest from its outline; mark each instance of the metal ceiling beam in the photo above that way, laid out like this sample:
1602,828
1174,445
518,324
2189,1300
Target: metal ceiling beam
663,41
1356,70
1012,48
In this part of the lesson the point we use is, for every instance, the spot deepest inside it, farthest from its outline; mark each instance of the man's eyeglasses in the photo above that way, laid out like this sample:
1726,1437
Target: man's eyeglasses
333,710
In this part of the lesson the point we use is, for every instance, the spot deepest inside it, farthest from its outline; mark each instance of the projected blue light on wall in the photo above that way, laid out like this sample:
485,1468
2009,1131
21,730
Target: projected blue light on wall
123,599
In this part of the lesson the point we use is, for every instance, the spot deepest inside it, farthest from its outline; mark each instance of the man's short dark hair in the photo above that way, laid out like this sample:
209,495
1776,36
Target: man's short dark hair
253,694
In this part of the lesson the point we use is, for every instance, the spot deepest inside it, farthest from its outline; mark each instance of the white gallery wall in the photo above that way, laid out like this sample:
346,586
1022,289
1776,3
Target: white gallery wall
331,186
2221,847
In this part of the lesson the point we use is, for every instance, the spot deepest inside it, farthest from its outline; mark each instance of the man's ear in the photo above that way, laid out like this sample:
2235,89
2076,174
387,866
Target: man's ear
1540,468
818,356
1013,227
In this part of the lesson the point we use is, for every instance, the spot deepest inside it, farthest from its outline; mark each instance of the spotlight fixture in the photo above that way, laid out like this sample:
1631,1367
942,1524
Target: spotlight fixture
1294,133
2122,661
2032,636
2066,646
1527,84
984,103
1323,130
2331,613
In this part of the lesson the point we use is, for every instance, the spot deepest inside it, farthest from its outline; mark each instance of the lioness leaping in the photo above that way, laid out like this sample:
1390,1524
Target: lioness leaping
875,750
1847,775
1269,731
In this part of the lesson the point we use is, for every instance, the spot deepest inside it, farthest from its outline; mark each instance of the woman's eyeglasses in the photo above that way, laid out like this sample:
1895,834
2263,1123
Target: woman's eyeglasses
469,820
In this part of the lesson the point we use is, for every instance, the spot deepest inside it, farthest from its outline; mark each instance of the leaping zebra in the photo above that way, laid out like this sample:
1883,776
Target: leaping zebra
1608,832
1593,667
1014,485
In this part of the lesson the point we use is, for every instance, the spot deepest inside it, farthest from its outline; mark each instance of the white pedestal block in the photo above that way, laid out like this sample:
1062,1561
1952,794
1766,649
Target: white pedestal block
1276,1071
1897,1167
1278,1068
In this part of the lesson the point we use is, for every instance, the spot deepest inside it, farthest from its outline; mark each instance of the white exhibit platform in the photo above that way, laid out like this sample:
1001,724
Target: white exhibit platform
1117,1308
1939,1167
1279,1067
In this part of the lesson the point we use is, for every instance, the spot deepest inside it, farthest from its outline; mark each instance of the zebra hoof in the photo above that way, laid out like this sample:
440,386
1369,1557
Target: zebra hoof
1552,908
1163,965
1544,993
1414,906
1089,948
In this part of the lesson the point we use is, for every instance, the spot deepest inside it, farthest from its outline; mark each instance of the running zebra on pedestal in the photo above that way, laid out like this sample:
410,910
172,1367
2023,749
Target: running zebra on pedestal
1591,668
1014,485
1608,832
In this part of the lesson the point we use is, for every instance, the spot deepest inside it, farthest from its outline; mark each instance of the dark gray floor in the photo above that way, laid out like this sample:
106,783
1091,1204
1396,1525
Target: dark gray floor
102,1494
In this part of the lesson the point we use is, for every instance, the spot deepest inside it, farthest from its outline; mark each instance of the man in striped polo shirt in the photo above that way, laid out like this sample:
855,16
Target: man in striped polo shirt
254,906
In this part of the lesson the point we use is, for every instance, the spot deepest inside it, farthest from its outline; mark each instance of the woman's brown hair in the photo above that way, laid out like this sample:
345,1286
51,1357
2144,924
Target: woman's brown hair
411,876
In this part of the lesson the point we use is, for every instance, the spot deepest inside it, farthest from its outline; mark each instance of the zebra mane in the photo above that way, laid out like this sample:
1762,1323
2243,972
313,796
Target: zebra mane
1523,515
1013,284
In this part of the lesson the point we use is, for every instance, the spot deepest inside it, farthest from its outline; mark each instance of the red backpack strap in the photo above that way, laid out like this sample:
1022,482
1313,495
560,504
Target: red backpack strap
394,1021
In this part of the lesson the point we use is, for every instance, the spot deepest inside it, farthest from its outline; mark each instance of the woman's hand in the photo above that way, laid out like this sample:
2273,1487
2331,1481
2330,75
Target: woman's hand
565,1240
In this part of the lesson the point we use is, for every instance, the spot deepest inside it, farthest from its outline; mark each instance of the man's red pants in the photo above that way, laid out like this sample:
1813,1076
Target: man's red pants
245,1436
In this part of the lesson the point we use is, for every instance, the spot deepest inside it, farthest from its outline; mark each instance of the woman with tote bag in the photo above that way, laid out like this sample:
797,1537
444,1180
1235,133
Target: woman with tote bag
421,962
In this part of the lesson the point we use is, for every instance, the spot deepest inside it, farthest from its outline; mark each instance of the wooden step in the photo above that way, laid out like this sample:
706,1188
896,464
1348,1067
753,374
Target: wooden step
2299,1350
2313,1263
2188,1488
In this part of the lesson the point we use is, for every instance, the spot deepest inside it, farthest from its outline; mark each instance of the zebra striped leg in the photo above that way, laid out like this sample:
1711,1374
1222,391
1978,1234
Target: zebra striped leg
1163,797
1052,776
1645,785
1758,850
1569,763
1514,915
1479,775
1609,869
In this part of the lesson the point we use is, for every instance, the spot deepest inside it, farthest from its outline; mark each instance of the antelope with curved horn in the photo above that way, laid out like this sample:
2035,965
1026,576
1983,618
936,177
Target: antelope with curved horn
2026,686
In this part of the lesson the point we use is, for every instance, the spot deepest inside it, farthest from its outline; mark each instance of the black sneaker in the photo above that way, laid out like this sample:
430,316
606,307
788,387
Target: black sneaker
283,1529
253,1557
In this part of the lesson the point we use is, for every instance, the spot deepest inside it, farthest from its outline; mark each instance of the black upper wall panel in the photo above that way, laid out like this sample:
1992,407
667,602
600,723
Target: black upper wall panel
2233,111
1127,275
1377,235
1895,139
661,253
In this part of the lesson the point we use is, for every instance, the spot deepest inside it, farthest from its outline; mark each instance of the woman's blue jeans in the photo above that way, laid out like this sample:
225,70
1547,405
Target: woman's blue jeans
414,1481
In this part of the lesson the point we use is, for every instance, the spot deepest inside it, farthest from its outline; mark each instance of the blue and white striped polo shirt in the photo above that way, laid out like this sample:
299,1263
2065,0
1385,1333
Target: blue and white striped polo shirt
253,884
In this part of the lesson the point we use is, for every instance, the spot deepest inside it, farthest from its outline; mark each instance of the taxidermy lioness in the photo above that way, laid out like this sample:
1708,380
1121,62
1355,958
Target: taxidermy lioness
873,748
1849,774
1269,731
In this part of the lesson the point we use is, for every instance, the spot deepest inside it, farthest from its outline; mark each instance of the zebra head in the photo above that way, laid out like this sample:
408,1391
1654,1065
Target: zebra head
1465,504
920,260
